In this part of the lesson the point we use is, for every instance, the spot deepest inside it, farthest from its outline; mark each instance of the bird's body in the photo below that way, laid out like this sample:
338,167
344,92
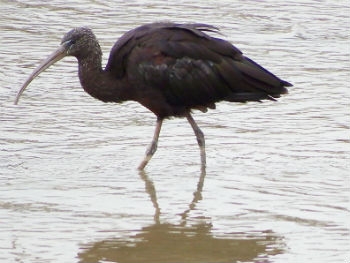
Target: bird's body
170,69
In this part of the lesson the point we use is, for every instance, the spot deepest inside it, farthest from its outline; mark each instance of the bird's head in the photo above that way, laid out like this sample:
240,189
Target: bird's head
79,42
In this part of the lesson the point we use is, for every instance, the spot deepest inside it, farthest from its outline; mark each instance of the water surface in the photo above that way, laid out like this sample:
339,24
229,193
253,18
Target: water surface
276,187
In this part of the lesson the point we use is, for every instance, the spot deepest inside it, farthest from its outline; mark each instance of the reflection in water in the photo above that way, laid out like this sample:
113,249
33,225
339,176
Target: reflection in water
164,242
172,243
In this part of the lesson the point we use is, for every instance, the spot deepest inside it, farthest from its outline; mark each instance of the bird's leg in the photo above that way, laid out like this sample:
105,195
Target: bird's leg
200,138
153,146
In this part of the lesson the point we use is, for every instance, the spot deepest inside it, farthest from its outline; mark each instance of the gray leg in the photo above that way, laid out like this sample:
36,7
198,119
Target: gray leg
153,146
200,138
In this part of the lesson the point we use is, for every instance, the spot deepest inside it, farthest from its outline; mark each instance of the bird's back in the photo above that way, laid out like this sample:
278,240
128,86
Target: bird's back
186,68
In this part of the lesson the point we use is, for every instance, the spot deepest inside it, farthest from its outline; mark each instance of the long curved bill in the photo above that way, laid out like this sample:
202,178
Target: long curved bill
50,60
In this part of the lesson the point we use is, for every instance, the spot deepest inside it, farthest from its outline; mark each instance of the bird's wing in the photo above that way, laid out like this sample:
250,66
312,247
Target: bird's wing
154,32
190,67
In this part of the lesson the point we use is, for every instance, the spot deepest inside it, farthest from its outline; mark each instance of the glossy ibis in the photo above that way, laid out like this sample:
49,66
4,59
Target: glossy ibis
169,68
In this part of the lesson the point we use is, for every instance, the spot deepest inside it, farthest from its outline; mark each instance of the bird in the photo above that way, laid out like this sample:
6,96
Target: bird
169,68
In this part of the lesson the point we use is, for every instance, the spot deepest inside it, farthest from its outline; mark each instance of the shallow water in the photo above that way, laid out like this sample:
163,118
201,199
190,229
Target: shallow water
276,188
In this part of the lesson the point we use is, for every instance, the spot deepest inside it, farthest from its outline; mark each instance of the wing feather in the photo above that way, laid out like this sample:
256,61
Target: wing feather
189,67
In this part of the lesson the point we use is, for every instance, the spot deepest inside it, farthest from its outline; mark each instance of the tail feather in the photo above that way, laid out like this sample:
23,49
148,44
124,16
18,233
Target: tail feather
257,83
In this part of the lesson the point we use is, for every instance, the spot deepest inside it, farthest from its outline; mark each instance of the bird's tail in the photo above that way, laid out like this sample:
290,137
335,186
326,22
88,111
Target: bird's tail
257,83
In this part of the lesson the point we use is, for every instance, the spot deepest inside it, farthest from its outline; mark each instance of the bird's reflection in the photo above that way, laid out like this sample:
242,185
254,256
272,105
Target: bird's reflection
165,242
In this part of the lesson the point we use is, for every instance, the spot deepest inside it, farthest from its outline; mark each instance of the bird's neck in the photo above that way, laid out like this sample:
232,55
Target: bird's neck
98,83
